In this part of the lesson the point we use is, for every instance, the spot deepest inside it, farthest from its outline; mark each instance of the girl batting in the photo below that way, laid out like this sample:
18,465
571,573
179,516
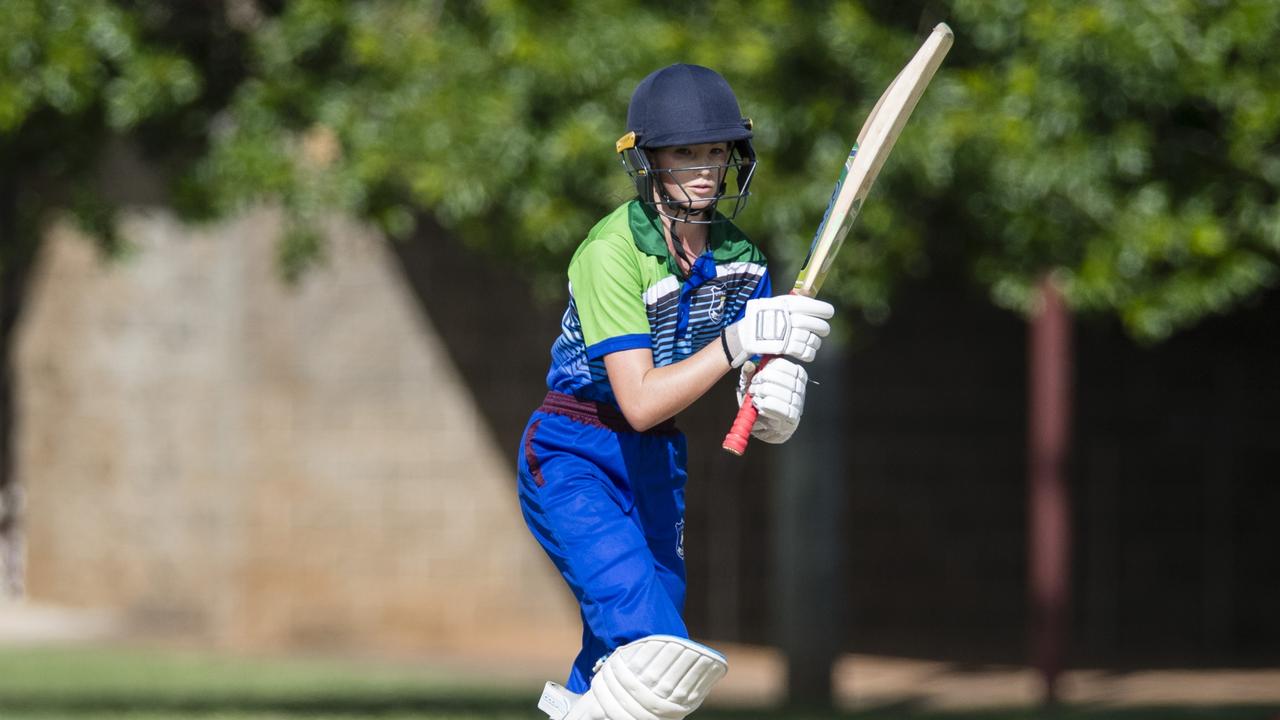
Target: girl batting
666,295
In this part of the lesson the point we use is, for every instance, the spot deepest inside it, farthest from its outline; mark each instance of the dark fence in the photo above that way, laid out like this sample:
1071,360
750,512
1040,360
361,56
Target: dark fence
1175,476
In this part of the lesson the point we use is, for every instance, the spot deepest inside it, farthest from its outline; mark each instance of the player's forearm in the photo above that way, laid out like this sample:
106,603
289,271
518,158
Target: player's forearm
649,395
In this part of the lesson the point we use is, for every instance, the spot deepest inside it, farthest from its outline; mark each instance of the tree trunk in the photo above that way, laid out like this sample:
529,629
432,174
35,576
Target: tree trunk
808,501
1048,497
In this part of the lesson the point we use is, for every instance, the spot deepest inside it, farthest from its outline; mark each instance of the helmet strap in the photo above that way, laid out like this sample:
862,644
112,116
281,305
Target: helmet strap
676,228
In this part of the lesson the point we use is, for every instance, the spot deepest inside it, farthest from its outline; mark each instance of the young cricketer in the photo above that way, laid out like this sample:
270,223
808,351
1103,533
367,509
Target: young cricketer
666,295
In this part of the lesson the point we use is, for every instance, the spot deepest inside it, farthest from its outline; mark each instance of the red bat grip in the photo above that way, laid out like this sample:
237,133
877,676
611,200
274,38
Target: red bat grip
740,432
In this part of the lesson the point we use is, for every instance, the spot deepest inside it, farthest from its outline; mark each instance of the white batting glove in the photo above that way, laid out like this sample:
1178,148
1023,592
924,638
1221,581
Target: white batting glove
778,391
790,325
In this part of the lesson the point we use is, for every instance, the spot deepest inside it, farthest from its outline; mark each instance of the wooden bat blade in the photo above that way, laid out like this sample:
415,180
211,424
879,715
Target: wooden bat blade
875,140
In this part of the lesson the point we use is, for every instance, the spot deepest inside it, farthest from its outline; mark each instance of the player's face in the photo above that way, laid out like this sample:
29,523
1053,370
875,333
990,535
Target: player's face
696,172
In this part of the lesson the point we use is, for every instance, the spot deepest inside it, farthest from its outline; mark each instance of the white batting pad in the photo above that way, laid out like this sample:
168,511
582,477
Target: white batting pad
660,677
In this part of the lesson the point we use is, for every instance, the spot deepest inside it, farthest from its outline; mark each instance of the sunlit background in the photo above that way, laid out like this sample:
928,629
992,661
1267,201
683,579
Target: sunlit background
278,283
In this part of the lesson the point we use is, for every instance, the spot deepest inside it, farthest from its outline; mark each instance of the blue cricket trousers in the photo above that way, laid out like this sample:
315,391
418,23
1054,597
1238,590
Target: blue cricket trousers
607,505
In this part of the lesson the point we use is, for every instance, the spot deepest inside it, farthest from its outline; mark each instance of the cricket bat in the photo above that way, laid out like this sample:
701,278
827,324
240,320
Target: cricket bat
875,140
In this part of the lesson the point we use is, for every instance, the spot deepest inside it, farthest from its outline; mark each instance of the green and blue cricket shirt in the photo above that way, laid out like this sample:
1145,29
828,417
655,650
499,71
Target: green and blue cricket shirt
626,292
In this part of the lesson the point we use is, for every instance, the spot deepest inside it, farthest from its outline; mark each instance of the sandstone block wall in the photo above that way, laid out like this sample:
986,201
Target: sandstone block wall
211,451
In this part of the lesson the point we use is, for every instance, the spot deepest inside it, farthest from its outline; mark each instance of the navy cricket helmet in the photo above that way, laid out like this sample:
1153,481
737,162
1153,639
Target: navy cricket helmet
686,105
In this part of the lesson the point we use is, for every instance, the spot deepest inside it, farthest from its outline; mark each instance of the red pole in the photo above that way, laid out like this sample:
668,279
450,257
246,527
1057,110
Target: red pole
1049,498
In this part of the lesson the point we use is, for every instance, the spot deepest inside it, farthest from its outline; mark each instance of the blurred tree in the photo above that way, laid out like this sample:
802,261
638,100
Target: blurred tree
1135,146
1128,147
1106,157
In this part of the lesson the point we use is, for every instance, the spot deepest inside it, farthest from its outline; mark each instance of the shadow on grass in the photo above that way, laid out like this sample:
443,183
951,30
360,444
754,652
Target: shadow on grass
477,705
310,705
914,710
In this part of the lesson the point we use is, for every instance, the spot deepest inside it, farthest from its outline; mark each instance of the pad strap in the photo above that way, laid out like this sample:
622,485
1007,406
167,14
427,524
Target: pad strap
557,701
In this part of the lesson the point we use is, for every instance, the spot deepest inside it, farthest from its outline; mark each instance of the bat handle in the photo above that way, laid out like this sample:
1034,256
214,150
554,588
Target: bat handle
740,432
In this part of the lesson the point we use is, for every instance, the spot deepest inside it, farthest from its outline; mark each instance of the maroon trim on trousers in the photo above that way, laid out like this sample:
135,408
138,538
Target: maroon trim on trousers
597,414
535,468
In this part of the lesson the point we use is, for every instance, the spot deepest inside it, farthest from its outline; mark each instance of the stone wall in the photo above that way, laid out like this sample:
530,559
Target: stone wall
221,455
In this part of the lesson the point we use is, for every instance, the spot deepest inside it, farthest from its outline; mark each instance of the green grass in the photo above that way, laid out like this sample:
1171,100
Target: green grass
89,684
102,684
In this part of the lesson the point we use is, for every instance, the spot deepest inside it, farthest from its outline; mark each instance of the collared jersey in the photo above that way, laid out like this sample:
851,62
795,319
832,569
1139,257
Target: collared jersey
626,292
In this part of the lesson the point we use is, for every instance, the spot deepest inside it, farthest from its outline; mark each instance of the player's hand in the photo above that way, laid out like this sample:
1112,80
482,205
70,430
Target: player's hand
778,391
790,325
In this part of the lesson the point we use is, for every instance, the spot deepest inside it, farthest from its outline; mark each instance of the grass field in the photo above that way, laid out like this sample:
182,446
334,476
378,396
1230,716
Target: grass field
98,683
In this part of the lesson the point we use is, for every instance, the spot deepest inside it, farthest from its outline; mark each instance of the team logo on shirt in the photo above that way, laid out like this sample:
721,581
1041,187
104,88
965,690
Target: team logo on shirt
715,309
680,538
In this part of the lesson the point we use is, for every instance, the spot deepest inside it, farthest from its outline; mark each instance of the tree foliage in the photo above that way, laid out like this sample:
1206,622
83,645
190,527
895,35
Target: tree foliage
1130,146
77,76
1133,145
